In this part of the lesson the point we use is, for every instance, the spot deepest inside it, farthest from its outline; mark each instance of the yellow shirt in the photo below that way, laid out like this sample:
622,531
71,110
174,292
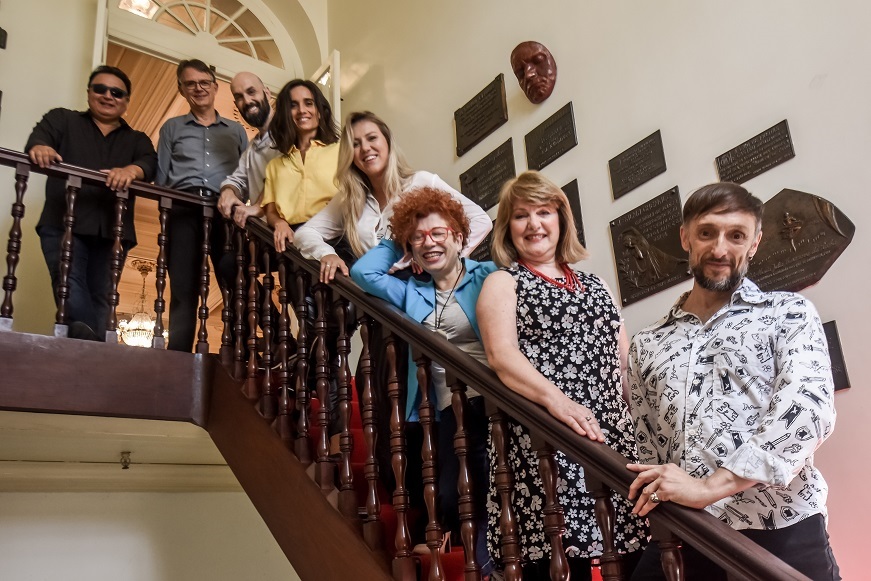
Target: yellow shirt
300,190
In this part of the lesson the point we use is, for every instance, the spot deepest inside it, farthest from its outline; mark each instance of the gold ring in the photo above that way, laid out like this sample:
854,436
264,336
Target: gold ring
654,498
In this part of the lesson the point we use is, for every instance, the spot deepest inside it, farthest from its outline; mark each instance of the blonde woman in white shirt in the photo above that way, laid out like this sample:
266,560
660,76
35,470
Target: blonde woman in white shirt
372,174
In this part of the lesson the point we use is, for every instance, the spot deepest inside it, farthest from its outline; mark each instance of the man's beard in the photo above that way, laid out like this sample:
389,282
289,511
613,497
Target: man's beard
259,118
727,284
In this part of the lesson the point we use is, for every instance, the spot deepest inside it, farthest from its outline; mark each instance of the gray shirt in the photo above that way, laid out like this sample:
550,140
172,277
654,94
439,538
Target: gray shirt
191,155
250,175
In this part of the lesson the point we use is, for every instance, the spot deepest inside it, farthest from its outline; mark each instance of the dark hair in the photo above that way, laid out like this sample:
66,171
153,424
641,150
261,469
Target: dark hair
114,71
282,128
195,64
722,198
420,203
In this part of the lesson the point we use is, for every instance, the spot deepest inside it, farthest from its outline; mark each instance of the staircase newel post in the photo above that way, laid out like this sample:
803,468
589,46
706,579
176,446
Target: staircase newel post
429,455
285,398
505,488
553,518
61,328
268,400
610,562
251,387
347,495
158,342
203,311
403,564
373,527
13,248
302,445
227,300
117,265
324,472
465,486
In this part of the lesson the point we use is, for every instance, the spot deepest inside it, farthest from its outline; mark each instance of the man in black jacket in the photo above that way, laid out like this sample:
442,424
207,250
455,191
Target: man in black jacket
96,139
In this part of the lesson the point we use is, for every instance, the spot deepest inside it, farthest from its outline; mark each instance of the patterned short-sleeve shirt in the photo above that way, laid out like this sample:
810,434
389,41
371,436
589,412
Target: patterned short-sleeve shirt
750,390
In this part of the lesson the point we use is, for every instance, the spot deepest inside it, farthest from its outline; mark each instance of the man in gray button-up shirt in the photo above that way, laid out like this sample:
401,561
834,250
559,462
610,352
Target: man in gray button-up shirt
196,152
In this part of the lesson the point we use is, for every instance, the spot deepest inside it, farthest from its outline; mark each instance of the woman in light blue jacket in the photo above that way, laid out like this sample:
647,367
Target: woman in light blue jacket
434,228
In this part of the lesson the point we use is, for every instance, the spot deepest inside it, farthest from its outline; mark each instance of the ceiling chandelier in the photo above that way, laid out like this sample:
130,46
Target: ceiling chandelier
139,330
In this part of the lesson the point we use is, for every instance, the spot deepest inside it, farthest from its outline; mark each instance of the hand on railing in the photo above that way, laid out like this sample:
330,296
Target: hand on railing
329,265
44,156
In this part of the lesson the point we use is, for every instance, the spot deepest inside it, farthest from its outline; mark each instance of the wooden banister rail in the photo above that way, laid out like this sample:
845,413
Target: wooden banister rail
603,466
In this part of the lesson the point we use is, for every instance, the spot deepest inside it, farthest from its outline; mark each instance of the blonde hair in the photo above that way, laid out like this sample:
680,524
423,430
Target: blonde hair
354,184
533,188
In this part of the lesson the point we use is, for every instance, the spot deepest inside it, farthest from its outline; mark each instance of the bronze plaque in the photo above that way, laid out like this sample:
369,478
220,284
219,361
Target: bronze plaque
647,248
756,155
574,196
481,182
802,236
481,116
836,356
482,251
552,138
640,163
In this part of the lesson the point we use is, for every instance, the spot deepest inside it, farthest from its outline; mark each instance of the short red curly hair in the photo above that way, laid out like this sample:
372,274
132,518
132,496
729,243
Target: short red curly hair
420,203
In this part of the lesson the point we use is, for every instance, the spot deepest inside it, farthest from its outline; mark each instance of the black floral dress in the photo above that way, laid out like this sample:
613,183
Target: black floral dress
572,338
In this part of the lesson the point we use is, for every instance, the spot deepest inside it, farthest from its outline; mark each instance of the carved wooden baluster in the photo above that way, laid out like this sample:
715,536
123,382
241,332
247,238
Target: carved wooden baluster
285,406
227,298
158,342
553,517
268,401
302,445
429,455
373,527
669,549
610,562
117,265
347,496
504,488
251,390
403,564
324,473
13,248
203,314
239,302
74,184
465,486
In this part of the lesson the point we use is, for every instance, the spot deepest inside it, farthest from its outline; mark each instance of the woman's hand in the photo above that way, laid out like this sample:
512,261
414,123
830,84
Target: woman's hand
577,417
283,235
329,265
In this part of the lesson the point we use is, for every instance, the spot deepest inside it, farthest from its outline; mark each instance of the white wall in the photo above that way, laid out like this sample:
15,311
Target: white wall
136,537
708,74
45,65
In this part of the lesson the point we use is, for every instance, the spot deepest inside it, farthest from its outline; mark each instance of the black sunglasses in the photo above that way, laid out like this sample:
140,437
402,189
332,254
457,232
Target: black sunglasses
116,93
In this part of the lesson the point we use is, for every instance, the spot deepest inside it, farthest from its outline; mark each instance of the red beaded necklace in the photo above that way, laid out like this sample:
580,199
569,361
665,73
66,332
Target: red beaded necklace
571,283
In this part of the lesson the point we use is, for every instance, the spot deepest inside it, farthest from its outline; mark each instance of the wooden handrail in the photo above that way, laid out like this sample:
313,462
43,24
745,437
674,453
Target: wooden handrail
729,549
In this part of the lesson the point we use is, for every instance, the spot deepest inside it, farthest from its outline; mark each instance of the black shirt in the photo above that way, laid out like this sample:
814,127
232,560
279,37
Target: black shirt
78,140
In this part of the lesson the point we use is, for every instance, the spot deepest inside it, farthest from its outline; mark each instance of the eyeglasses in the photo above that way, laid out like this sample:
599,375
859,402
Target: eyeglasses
438,235
192,85
100,89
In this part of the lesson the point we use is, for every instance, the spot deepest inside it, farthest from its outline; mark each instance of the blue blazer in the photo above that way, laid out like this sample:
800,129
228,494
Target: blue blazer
416,298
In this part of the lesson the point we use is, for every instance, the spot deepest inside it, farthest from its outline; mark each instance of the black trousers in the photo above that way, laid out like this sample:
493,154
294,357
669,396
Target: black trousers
184,262
804,546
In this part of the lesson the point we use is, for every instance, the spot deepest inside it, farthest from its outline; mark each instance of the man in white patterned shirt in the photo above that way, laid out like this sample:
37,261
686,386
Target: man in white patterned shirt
731,394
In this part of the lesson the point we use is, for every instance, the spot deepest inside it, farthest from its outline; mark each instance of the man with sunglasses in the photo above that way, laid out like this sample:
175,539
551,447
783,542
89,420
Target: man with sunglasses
97,139
196,152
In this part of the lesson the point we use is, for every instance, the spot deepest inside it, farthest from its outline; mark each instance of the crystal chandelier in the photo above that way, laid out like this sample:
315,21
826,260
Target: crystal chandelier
139,330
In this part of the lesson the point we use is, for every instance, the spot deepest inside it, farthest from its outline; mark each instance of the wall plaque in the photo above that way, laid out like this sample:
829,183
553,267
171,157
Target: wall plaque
574,196
836,355
802,236
481,116
647,248
640,163
555,136
756,155
482,251
481,182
